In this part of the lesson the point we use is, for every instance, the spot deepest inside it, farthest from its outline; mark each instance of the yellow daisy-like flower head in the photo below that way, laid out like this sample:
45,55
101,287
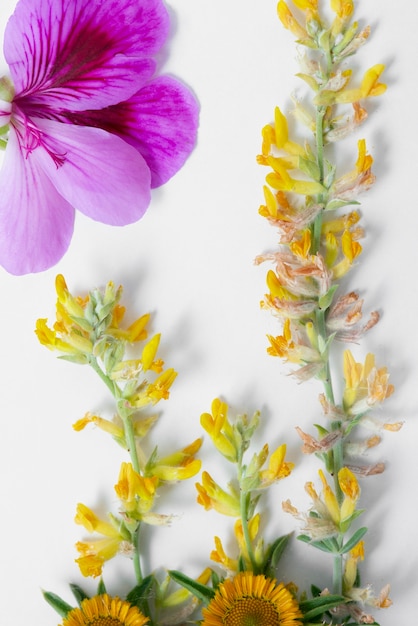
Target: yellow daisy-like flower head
103,610
249,600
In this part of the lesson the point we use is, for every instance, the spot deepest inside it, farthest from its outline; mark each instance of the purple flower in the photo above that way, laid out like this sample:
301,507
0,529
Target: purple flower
89,126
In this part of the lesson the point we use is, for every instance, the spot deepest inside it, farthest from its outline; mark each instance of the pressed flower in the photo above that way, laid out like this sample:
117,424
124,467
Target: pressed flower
365,384
103,610
90,127
289,21
136,492
277,469
249,600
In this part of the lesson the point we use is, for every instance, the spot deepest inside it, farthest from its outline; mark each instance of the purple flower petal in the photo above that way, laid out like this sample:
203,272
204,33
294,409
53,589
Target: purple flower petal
160,121
78,54
36,222
96,172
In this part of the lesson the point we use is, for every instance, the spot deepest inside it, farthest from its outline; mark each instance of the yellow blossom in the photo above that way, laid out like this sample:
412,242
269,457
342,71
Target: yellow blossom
365,384
180,465
106,425
289,21
156,391
136,492
220,430
212,496
94,553
370,86
277,467
279,179
149,352
219,556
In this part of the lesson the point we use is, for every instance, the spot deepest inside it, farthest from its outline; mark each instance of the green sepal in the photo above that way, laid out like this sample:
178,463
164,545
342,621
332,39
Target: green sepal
309,80
80,359
325,301
353,541
57,603
309,168
320,605
138,596
345,524
82,323
203,593
354,422
337,203
326,545
78,593
322,432
241,564
215,579
101,587
274,554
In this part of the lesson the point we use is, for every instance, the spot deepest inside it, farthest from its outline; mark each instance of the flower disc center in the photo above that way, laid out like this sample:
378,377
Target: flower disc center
250,611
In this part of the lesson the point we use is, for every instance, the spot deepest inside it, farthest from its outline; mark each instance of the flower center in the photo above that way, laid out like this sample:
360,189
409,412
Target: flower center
104,621
252,612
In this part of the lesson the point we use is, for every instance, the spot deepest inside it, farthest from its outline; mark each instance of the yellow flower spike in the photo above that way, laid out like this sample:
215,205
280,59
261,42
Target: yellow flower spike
149,352
289,21
212,496
219,556
277,467
330,500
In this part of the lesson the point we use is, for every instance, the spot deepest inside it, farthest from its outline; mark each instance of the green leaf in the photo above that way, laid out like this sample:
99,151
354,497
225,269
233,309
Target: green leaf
57,603
101,589
351,543
325,301
326,545
319,605
78,593
138,596
275,552
203,593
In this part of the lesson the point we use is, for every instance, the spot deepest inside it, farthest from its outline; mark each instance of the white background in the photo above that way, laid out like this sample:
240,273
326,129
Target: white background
189,261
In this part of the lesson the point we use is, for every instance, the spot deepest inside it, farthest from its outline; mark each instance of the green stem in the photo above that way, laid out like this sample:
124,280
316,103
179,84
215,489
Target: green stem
335,457
125,414
246,531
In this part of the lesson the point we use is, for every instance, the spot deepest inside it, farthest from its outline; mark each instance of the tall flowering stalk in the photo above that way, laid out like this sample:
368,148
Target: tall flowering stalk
90,331
306,201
